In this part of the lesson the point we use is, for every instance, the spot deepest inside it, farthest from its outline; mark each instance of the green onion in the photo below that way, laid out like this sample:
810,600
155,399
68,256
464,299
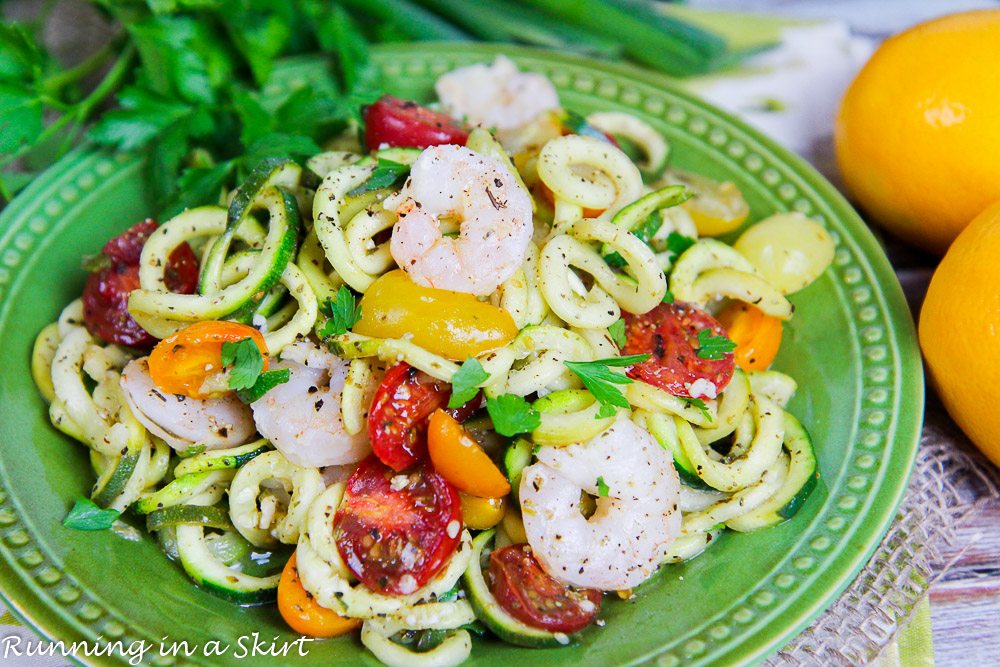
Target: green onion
662,42
410,19
510,22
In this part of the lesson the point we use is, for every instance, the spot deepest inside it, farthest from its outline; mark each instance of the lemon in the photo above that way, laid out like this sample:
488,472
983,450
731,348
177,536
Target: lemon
918,132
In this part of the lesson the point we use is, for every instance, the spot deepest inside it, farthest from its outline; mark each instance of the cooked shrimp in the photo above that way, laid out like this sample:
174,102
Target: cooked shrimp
494,213
302,417
496,96
181,421
628,536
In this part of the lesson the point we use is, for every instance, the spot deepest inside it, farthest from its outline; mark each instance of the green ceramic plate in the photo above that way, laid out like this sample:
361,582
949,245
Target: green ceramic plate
851,346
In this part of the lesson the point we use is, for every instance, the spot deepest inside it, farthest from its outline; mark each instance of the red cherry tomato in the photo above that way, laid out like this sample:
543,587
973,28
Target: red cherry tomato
395,122
396,530
397,420
529,594
669,333
105,296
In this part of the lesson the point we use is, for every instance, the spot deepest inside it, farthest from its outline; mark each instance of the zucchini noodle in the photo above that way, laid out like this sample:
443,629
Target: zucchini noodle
332,220
710,270
269,498
654,147
601,306
161,312
587,173
358,393
312,262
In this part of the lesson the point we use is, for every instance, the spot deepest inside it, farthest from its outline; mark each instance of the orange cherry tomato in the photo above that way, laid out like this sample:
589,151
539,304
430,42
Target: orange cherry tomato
459,459
453,324
180,363
301,611
757,335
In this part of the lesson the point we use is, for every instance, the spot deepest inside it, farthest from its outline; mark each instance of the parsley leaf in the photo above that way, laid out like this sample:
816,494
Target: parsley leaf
266,381
20,117
342,313
617,332
700,405
713,347
143,116
678,243
86,515
644,232
20,57
602,488
197,186
600,380
668,297
280,144
386,173
245,362
465,383
511,414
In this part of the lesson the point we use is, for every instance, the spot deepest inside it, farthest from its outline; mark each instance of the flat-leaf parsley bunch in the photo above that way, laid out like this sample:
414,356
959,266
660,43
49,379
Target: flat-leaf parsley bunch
192,82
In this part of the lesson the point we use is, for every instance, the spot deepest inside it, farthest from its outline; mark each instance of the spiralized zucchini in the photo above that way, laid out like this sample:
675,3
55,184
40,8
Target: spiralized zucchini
334,221
270,497
638,292
587,173
710,270
654,147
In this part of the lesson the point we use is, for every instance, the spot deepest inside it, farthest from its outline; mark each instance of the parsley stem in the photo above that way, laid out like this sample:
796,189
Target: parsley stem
55,83
108,85
80,113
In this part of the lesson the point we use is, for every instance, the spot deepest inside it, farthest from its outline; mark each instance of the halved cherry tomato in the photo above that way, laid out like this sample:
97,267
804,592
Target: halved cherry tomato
301,611
180,363
453,324
482,513
395,531
460,460
391,121
397,419
757,335
669,333
105,296
717,207
531,595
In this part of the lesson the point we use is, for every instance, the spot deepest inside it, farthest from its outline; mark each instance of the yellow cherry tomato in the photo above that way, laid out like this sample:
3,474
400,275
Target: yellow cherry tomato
716,207
481,513
757,335
513,525
452,324
789,249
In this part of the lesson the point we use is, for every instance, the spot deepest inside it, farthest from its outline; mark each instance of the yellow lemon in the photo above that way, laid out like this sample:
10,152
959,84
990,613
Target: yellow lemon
918,132
960,331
